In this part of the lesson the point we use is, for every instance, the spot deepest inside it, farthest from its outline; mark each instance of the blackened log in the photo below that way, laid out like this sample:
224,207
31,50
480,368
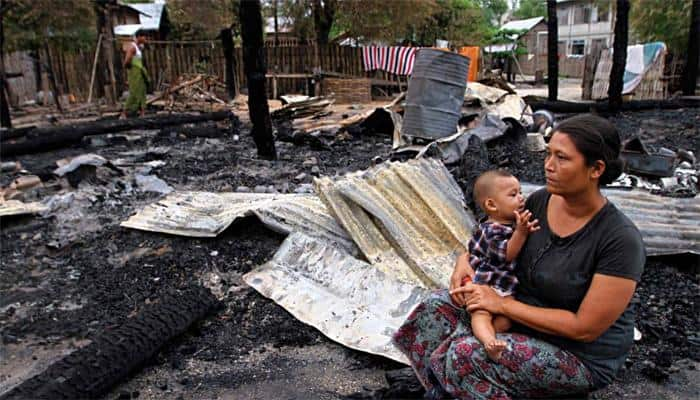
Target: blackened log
254,65
44,139
91,371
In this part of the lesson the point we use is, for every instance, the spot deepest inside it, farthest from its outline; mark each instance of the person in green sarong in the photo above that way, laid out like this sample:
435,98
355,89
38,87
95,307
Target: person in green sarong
137,76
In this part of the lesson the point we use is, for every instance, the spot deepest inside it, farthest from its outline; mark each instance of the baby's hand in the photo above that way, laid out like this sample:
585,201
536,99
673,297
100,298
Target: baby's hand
523,224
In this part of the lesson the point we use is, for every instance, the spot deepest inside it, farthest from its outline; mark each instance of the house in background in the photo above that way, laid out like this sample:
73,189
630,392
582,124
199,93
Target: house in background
533,36
583,25
150,17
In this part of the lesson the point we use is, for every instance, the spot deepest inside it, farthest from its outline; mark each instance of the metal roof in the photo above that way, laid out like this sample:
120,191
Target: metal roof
203,214
348,300
522,24
668,225
408,219
150,14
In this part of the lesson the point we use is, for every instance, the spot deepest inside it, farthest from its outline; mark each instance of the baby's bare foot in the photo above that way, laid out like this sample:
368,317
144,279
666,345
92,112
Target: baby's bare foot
495,348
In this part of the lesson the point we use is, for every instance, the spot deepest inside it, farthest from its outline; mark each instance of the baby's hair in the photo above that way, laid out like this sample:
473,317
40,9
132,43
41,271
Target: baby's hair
484,183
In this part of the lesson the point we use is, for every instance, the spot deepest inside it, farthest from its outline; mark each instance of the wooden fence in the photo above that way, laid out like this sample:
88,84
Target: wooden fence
290,67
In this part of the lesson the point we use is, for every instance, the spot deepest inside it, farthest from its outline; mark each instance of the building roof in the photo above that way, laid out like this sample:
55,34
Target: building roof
150,15
522,24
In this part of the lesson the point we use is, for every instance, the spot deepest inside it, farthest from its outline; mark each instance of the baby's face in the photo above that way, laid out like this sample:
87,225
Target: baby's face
507,197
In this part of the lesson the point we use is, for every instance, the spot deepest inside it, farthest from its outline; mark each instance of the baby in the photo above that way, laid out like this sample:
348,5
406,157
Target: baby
494,247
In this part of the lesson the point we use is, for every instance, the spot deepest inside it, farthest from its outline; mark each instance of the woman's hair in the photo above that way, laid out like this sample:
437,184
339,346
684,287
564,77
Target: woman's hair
139,32
597,139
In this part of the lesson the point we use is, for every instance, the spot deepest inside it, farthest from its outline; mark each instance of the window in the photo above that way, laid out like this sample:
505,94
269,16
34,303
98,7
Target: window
582,15
603,15
599,44
563,17
578,47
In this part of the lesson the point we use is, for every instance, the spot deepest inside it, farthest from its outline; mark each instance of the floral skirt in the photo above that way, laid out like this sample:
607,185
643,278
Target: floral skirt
438,341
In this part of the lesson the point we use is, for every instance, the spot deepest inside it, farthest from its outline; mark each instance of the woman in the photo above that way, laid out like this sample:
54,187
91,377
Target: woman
577,274
136,75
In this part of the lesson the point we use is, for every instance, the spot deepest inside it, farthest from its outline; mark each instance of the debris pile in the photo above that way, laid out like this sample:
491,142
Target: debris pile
192,92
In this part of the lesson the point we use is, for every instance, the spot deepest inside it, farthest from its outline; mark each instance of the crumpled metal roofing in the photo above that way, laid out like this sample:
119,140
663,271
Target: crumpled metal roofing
348,300
203,214
16,207
668,225
408,219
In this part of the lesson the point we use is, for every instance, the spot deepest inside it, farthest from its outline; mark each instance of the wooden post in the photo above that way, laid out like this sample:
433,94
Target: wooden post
94,67
229,70
255,68
5,117
52,78
589,69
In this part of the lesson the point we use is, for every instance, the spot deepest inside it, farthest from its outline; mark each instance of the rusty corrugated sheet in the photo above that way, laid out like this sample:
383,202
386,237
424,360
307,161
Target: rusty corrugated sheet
348,300
16,207
668,225
203,214
408,219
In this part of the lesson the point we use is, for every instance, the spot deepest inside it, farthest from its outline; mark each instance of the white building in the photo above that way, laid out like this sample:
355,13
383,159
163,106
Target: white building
582,23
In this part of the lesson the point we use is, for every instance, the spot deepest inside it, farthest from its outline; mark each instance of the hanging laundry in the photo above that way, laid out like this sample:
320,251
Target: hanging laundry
394,59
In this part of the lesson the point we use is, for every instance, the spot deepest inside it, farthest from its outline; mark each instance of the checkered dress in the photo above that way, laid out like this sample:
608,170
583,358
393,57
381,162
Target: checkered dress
487,255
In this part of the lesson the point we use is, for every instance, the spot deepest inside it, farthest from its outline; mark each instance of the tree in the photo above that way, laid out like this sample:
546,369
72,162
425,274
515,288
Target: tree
384,21
462,22
690,76
201,19
255,68
530,9
661,20
552,50
324,13
619,55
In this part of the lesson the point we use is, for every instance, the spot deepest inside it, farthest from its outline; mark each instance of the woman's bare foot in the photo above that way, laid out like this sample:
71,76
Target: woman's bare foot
495,348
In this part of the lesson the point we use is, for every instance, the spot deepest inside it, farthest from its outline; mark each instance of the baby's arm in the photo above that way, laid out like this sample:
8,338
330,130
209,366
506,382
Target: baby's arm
523,227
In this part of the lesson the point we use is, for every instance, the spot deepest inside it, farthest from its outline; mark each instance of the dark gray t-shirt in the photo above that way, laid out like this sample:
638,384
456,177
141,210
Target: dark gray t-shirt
556,272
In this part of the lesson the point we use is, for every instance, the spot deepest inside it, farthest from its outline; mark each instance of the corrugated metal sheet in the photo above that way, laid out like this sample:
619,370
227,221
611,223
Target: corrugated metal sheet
202,214
16,207
347,299
521,24
408,219
668,225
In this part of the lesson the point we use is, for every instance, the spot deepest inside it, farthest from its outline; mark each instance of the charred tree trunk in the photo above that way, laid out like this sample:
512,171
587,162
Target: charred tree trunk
690,76
552,50
5,118
255,68
100,77
324,12
52,78
617,71
229,70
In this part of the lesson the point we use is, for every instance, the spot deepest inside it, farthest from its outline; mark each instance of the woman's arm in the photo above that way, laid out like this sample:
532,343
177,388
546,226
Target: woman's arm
606,299
129,55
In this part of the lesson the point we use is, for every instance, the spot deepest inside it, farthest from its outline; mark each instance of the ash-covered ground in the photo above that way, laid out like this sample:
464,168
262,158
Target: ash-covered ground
65,279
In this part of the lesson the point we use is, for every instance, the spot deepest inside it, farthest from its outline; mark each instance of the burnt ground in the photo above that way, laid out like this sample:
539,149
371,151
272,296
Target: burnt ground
65,280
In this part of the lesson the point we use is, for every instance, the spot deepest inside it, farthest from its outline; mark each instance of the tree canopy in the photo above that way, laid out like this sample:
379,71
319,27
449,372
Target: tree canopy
667,21
530,9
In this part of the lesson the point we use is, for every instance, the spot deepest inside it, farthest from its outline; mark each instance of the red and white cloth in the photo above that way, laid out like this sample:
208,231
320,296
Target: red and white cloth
395,59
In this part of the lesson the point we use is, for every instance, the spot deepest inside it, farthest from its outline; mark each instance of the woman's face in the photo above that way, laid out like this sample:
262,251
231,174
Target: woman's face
565,167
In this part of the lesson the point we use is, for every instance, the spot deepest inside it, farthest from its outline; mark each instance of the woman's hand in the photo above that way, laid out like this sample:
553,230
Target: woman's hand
480,297
462,270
